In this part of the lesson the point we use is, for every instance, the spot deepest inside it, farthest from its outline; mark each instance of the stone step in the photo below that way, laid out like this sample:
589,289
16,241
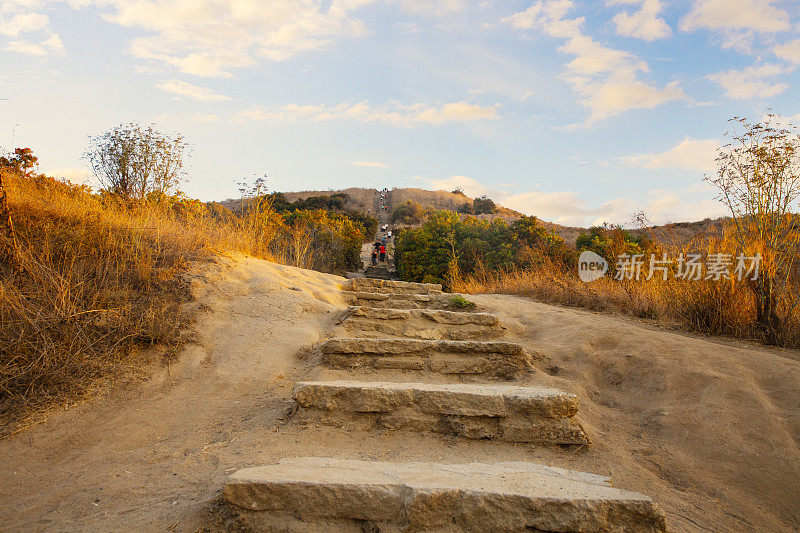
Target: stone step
390,286
397,301
432,324
497,359
380,273
321,494
503,412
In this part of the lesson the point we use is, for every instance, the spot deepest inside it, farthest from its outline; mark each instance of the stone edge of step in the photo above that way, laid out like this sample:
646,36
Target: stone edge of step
391,491
389,346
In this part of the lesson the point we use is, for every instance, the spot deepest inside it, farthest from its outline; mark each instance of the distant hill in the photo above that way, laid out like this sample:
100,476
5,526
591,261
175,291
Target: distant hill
363,200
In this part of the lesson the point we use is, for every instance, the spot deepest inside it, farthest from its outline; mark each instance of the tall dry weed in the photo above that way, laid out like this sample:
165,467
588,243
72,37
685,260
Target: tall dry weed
706,306
91,285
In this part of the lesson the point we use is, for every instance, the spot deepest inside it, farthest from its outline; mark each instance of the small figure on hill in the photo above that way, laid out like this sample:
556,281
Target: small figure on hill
383,253
374,258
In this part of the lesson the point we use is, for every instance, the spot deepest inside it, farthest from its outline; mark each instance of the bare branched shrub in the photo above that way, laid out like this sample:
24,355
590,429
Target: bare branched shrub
132,161
759,181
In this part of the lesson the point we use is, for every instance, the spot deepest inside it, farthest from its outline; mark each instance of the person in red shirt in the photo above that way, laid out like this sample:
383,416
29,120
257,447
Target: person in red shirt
383,253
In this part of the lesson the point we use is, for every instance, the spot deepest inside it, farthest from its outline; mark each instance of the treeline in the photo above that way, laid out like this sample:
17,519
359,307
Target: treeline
310,235
334,202
473,256
446,247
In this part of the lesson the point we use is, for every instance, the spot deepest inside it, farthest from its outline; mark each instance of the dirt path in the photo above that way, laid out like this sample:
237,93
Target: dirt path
710,430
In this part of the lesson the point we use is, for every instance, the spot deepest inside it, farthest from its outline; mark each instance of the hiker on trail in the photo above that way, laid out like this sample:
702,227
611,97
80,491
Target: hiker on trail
374,258
383,253
376,245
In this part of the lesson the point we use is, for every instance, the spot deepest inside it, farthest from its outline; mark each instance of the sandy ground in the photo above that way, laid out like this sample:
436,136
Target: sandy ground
709,429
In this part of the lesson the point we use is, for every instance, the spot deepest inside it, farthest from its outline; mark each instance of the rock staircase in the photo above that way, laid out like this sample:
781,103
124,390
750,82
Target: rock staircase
408,363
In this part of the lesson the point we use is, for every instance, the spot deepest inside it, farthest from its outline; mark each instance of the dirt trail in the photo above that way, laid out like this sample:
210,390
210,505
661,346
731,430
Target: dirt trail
710,430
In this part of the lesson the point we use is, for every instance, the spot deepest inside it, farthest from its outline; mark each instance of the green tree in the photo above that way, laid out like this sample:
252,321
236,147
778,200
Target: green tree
409,212
22,162
466,208
610,242
445,247
482,205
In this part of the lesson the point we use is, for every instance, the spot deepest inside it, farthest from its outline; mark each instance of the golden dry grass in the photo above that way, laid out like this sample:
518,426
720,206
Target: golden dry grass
94,281
725,307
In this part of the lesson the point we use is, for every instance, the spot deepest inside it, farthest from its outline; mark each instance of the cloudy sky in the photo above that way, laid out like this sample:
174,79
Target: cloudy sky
576,111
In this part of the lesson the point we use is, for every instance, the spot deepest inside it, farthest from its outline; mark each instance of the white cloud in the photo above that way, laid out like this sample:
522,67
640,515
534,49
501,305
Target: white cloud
789,51
205,117
687,205
571,209
692,154
756,15
644,23
427,8
74,174
607,80
470,186
195,92
51,45
737,21
371,164
752,82
394,114
661,206
210,38
22,23
28,30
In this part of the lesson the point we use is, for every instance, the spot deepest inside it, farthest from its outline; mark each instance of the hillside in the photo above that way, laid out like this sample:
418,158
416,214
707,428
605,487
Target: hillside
363,200
708,429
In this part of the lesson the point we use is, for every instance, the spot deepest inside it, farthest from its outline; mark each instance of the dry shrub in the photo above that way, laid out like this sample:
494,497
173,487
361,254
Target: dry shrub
88,285
94,280
724,307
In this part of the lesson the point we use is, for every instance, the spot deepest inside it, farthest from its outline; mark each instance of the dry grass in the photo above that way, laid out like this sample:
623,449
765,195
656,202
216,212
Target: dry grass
89,285
708,307
95,282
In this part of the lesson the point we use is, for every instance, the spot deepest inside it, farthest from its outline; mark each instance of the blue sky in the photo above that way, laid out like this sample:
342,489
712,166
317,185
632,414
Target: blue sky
578,112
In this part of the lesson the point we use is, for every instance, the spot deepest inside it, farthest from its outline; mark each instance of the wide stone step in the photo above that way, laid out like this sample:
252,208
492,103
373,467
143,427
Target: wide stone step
398,301
320,494
502,412
390,286
432,324
498,359
440,316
